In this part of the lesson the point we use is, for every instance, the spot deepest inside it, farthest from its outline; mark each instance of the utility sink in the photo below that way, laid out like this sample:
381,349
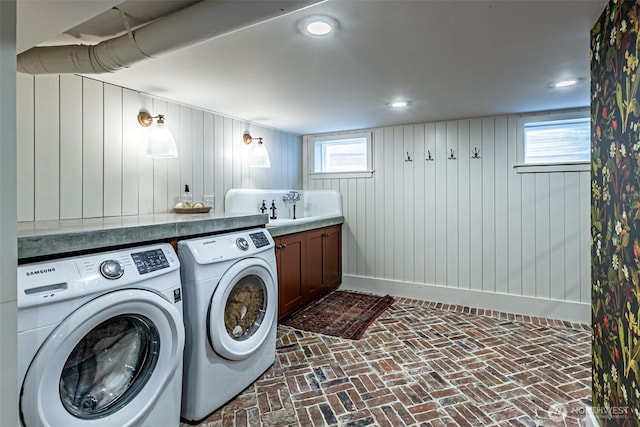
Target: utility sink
310,205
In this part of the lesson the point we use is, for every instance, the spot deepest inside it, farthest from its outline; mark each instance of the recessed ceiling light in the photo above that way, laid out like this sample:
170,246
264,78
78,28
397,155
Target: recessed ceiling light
566,83
399,104
319,28
318,25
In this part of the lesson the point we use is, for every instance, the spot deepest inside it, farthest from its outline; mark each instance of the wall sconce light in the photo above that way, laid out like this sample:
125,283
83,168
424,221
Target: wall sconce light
259,155
161,143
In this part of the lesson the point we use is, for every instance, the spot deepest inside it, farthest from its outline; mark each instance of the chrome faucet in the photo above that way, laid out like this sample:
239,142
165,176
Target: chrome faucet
292,197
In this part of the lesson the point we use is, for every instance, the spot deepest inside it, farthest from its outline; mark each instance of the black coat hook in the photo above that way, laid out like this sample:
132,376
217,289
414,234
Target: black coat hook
408,159
429,158
476,153
452,155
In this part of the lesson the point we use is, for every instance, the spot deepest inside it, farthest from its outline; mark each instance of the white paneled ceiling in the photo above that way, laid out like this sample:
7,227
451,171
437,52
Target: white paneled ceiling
451,59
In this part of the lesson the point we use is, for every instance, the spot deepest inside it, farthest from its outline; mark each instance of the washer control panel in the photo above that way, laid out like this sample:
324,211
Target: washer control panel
69,278
151,260
259,239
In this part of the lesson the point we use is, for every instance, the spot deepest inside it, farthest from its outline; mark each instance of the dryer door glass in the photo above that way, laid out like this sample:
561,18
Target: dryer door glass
245,307
109,366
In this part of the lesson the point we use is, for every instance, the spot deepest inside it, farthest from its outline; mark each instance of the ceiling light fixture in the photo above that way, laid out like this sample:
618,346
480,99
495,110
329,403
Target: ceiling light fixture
259,155
566,83
399,104
161,142
318,25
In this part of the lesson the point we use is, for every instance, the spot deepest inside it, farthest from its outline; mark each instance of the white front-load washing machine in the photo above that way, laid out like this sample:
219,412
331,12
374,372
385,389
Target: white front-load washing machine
230,300
101,339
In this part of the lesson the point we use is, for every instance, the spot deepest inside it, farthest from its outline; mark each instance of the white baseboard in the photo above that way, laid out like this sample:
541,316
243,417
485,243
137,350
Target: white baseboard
527,306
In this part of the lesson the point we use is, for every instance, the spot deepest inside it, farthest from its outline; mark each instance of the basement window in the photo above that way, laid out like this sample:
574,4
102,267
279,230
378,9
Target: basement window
341,156
553,143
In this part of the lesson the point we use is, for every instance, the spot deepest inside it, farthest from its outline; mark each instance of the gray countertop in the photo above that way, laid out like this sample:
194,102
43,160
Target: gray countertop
46,238
49,238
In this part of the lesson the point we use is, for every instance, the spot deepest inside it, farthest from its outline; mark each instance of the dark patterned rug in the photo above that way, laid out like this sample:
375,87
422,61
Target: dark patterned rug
341,314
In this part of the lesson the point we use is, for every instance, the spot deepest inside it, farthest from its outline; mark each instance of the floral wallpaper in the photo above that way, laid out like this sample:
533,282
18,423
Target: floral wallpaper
615,214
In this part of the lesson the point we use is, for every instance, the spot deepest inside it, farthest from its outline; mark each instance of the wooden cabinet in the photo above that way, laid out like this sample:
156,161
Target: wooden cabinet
309,266
324,260
290,257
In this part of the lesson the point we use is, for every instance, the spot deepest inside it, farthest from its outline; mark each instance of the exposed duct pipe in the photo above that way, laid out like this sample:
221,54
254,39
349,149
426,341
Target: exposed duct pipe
197,23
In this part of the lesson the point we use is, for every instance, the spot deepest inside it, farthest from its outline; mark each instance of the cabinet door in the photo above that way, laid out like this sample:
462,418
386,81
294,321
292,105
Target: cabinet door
332,257
290,258
324,261
314,283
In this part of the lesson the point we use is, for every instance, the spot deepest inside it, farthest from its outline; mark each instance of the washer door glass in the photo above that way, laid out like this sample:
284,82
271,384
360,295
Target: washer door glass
109,366
245,307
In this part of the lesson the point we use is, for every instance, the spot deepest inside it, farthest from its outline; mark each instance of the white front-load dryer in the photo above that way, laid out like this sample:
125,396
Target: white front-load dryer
101,340
230,299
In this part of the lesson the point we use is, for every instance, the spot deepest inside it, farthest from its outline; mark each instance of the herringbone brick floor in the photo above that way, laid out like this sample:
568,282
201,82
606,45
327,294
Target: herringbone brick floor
424,364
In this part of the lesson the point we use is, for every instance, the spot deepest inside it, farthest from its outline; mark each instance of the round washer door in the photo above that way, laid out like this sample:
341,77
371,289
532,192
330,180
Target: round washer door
242,309
106,363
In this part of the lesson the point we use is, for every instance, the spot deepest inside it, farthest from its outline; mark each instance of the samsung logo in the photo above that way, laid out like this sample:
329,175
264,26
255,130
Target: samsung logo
208,242
41,271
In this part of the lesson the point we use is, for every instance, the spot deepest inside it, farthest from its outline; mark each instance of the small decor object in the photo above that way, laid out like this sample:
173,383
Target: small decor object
187,197
341,314
187,205
208,200
197,207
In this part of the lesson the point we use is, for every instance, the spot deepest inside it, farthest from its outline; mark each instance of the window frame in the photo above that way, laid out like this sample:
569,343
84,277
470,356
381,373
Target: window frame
571,166
367,173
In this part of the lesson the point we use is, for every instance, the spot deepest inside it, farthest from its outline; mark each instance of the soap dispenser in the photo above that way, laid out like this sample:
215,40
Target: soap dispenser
187,197
273,210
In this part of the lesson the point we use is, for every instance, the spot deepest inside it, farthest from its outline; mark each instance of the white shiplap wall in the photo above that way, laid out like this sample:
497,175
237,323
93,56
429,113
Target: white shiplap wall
467,231
81,152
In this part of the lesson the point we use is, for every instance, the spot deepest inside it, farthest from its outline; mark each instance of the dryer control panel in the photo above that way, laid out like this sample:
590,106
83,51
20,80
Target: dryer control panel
228,246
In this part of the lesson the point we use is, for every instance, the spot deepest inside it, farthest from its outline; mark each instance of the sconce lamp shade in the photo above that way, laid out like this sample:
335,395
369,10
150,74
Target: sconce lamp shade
161,143
260,156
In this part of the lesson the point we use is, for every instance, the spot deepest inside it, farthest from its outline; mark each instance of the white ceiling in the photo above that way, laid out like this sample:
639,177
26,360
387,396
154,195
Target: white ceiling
450,58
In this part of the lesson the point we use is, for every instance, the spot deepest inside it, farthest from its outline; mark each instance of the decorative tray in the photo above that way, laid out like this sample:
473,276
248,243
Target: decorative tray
192,210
